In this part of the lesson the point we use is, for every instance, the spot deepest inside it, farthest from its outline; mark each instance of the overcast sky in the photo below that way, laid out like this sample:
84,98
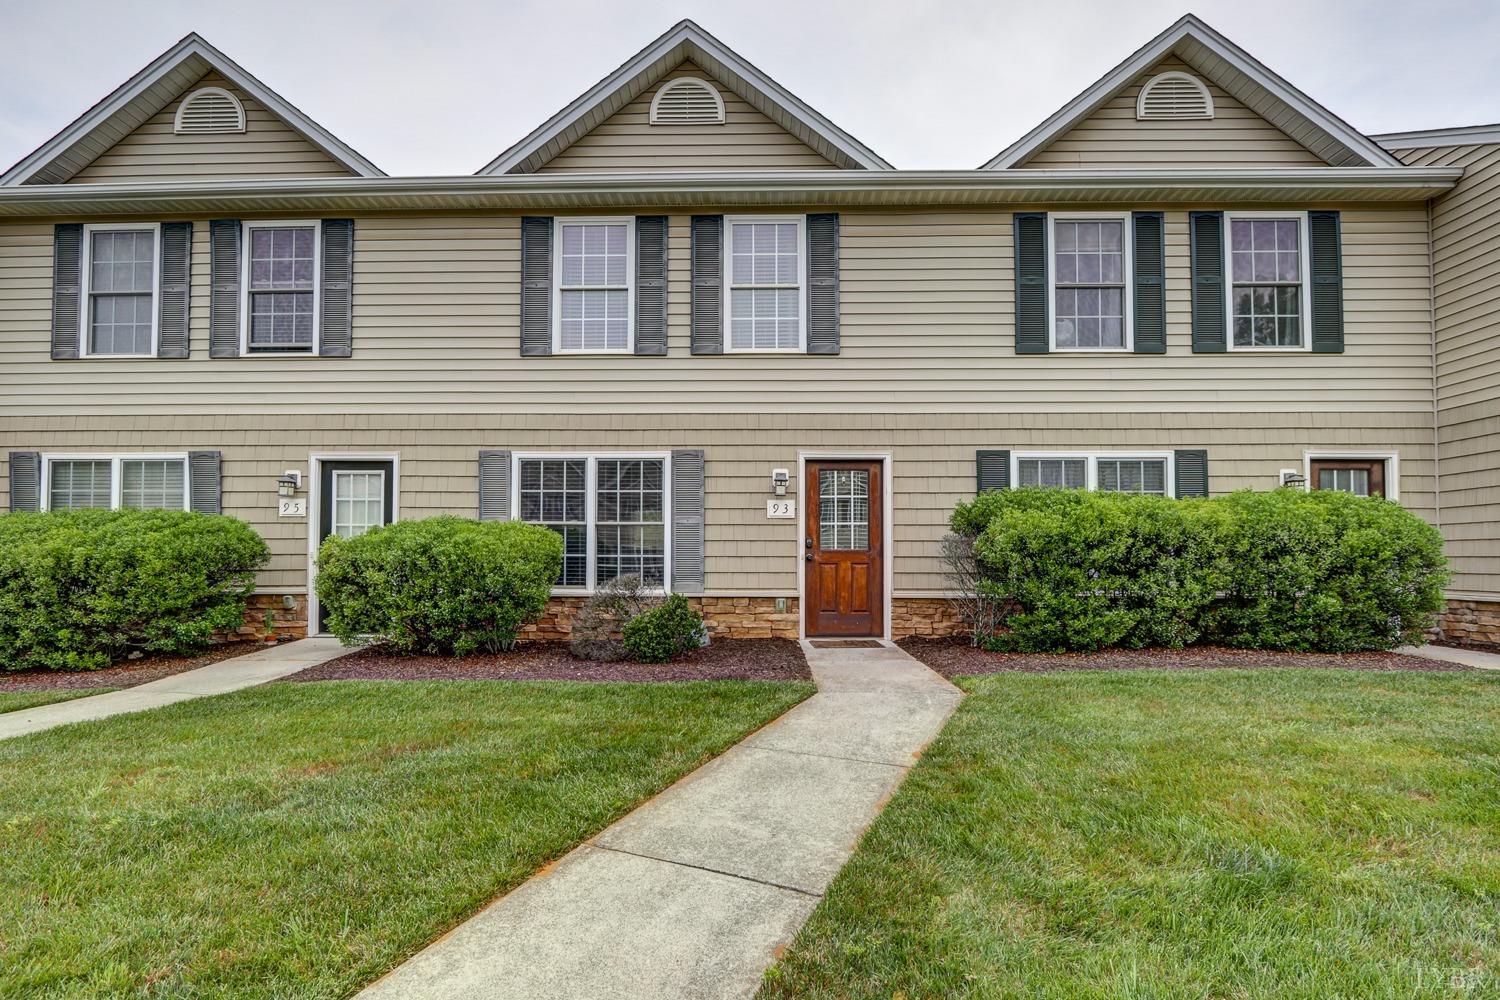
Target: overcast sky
442,86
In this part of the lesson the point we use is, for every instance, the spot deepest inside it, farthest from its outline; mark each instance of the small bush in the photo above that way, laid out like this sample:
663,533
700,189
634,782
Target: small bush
664,632
598,630
438,585
81,589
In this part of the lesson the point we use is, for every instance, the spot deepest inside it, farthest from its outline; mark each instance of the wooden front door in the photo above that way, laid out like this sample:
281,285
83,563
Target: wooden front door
844,592
1363,477
353,498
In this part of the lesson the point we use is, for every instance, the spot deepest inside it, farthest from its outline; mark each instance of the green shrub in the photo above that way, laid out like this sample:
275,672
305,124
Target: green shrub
1283,570
438,585
665,631
81,589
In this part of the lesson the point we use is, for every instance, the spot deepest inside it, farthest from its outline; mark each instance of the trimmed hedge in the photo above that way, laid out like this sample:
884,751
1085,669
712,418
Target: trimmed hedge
668,630
1286,570
440,584
81,589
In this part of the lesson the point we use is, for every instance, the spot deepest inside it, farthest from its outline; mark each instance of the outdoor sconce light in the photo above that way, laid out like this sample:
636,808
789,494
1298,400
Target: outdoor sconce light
779,479
289,483
1291,477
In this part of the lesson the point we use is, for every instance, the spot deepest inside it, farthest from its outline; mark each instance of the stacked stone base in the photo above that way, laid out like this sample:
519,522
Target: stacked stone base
287,614
1475,624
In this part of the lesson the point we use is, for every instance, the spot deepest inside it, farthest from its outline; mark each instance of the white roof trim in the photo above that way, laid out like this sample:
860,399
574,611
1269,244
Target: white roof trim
1190,28
1468,135
140,88
644,69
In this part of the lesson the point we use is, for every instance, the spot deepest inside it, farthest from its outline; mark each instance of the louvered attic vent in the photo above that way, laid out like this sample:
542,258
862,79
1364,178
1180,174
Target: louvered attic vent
687,101
209,110
1175,96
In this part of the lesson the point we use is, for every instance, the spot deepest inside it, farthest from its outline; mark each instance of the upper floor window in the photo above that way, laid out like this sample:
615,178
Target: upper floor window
767,287
1147,473
116,482
593,285
1268,281
281,281
208,111
1090,273
687,101
120,282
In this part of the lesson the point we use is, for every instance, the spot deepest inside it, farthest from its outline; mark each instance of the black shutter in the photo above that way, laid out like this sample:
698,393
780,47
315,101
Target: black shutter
823,283
1327,282
651,284
205,491
687,521
176,275
1206,232
494,486
708,282
25,480
991,470
536,287
1031,282
67,270
336,337
1150,294
1192,472
224,294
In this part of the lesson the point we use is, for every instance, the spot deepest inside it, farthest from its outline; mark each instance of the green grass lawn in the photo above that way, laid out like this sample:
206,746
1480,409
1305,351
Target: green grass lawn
1276,834
14,701
296,840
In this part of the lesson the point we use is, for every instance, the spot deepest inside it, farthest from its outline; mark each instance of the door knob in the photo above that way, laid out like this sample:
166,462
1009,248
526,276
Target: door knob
808,557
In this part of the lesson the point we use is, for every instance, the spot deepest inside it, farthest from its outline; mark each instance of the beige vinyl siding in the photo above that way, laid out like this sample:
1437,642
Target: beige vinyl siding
267,148
747,140
928,327
932,464
1466,281
1112,137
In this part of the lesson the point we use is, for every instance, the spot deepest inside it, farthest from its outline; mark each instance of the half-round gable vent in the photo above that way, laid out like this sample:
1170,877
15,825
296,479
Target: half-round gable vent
209,110
687,100
1174,95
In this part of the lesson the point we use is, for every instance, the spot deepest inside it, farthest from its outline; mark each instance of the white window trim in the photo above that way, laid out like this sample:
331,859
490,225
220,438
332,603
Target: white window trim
115,478
628,221
680,81
591,504
726,268
317,288
1304,275
1391,459
1127,273
1091,465
86,272
209,91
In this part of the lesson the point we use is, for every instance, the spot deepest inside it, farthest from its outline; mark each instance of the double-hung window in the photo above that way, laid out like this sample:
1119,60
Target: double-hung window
611,511
281,288
120,281
594,294
116,482
1268,296
1111,472
1090,277
766,275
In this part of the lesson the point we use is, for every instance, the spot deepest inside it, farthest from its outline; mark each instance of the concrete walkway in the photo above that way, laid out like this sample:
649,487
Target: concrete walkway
1468,657
694,893
216,678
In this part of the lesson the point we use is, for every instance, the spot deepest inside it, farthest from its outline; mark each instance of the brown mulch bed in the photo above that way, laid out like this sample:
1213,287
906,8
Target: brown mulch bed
121,675
956,657
723,659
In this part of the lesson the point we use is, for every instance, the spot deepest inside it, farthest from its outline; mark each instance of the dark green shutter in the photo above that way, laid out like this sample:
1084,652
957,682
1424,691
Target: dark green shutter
708,284
687,521
176,275
224,293
205,491
25,480
823,283
1206,233
651,284
336,337
991,470
494,486
1327,282
536,287
1191,468
1149,272
1031,282
67,270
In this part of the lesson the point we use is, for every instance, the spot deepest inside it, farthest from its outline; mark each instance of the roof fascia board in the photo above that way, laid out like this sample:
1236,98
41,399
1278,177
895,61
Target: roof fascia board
1468,135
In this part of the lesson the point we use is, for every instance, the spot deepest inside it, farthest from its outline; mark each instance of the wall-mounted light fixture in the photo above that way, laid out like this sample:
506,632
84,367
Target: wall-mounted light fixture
779,480
289,483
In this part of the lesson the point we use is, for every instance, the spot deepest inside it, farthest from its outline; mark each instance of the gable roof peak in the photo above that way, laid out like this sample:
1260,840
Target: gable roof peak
1234,70
685,41
136,100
